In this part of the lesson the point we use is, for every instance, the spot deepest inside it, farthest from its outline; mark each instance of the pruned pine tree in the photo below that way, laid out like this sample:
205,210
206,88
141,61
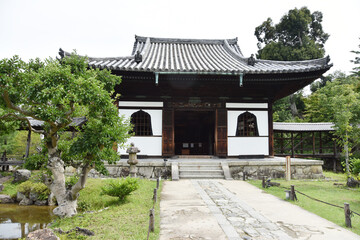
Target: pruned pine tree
52,91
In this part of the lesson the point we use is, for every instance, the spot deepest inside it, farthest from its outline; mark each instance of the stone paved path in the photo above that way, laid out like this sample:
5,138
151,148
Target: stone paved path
234,210
237,219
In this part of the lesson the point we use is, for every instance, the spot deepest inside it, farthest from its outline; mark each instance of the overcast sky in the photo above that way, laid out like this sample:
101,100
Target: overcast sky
106,28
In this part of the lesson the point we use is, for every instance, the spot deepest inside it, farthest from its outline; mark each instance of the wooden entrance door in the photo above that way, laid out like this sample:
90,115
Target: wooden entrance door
168,145
221,133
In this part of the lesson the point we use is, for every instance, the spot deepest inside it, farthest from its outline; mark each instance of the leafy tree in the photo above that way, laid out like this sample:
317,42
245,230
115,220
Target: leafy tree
356,61
338,102
298,36
325,79
289,108
7,138
52,91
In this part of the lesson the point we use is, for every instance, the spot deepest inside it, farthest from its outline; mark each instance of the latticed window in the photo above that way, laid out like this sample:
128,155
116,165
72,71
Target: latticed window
247,125
142,123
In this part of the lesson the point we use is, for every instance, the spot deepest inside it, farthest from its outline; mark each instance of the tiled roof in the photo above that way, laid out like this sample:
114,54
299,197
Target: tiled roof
303,127
168,55
78,121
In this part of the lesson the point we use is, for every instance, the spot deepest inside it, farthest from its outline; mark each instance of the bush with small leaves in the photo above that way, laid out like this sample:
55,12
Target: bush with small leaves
355,165
41,189
35,162
71,181
25,188
120,188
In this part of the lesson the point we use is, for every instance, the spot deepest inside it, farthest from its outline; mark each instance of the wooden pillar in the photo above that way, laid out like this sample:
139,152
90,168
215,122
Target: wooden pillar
320,143
313,142
28,142
168,141
271,129
301,144
292,146
287,168
221,133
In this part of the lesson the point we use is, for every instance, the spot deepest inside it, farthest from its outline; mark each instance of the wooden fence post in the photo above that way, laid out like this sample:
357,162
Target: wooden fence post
292,193
155,195
347,215
288,168
263,182
152,220
157,183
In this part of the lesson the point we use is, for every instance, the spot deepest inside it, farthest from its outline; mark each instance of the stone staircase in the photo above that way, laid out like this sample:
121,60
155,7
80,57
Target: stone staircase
200,170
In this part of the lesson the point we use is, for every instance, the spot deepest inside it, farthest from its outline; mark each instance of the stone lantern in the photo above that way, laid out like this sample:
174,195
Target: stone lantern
132,151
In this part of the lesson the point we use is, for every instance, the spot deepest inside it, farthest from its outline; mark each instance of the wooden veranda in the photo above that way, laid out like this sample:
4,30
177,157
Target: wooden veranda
305,140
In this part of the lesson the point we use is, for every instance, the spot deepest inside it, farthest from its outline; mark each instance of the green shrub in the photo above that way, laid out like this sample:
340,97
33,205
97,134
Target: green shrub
355,165
120,188
35,162
83,206
25,188
41,189
71,181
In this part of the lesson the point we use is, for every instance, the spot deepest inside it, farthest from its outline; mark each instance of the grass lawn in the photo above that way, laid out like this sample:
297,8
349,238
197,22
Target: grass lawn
121,220
325,190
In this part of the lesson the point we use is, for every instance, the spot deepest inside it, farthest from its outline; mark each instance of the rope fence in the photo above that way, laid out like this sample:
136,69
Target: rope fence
348,213
152,210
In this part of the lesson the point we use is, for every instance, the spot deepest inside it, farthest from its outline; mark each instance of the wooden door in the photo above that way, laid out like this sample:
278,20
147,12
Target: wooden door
221,133
168,145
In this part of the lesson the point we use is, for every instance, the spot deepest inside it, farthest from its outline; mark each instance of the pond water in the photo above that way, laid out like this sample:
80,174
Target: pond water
17,221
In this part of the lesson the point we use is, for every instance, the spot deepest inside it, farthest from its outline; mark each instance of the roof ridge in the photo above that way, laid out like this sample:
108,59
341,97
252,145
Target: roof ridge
316,60
185,40
304,123
232,52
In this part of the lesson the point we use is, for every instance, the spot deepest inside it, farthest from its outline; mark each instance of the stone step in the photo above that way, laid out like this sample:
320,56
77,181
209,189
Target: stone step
199,167
201,177
202,172
200,163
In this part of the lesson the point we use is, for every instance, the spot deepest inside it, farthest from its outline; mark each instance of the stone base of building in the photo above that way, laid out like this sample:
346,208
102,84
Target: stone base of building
251,168
300,169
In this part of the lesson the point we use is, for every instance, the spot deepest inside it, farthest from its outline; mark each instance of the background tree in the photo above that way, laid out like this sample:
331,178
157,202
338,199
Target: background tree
298,36
52,91
338,102
7,138
356,62
325,79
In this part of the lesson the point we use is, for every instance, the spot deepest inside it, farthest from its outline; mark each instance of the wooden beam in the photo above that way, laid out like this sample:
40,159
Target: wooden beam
313,142
28,142
271,129
320,146
292,145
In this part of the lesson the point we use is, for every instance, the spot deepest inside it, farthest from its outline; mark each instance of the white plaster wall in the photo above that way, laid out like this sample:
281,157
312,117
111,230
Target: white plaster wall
151,146
148,145
246,105
156,118
261,117
140,104
248,146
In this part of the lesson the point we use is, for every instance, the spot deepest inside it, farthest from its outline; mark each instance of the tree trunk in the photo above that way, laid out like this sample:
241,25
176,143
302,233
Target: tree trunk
346,149
66,199
28,144
293,108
